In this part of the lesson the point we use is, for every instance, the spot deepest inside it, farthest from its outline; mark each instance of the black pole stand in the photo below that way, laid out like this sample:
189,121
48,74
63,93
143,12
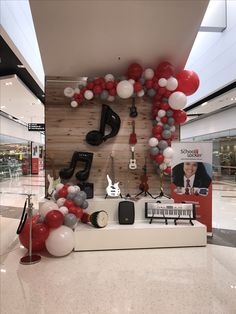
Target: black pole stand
144,193
30,259
162,194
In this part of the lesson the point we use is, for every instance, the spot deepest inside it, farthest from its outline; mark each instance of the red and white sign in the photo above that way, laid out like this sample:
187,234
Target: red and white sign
191,180
35,159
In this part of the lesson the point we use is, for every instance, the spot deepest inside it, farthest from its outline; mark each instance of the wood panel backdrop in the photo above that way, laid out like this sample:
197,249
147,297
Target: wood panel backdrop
66,129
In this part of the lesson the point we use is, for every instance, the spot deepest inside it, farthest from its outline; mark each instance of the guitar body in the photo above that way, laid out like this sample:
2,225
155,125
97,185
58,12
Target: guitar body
52,184
112,190
132,164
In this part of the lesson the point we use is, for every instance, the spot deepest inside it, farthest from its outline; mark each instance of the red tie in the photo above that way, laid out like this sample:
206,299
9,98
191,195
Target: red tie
187,186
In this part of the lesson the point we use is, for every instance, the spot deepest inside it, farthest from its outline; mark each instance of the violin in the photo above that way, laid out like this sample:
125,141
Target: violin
144,187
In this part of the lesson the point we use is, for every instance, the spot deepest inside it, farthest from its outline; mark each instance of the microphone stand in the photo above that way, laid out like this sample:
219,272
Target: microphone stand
162,194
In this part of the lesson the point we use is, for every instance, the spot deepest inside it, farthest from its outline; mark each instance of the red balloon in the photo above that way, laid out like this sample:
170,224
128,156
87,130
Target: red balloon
79,212
90,85
63,192
68,203
148,83
54,219
85,218
97,89
164,105
97,81
159,158
112,92
40,232
137,86
165,70
109,85
161,91
180,116
188,82
157,129
134,71
164,119
167,170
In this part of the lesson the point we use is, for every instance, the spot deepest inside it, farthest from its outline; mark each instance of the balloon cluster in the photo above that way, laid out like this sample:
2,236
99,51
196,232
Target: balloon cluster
167,90
53,227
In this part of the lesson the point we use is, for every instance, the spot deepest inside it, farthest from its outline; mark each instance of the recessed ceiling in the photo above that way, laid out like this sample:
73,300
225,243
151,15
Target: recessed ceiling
93,38
18,101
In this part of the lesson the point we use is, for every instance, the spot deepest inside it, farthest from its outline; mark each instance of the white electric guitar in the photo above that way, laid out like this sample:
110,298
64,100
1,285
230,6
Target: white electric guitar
51,180
112,189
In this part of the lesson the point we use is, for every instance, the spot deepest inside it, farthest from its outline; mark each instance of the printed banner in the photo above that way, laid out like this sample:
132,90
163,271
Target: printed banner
35,158
191,180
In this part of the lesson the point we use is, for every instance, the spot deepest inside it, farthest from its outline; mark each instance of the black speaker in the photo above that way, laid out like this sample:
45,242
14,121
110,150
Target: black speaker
126,213
87,188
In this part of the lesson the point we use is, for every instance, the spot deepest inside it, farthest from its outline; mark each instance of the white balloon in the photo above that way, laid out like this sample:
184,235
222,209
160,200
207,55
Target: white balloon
160,123
148,74
153,142
64,210
163,166
69,92
132,81
74,104
140,93
168,152
110,98
167,161
60,241
161,113
88,94
177,100
77,90
47,207
173,128
76,188
172,83
59,186
158,119
124,89
162,82
60,202
109,77
72,189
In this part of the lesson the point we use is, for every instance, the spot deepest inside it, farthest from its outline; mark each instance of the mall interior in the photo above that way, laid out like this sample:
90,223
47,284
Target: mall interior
49,52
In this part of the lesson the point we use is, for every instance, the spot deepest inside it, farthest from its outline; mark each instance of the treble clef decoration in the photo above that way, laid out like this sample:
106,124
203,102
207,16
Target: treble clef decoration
133,110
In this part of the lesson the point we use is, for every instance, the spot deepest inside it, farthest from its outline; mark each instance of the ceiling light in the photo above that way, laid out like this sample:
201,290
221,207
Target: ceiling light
22,117
2,107
204,104
232,98
3,270
21,66
8,83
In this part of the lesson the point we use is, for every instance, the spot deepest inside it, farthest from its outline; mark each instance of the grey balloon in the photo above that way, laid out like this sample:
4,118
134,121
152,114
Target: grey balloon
142,80
154,151
166,126
104,94
171,121
82,194
78,200
162,144
164,99
71,196
70,220
169,113
85,205
166,134
154,122
151,92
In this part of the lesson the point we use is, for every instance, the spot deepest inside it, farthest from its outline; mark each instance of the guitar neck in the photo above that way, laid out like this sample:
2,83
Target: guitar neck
112,169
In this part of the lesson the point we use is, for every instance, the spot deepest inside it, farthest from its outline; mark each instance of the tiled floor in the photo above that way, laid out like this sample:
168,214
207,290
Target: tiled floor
183,280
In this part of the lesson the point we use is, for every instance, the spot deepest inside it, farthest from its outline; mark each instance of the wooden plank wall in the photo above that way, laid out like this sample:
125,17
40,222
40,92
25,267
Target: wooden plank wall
66,129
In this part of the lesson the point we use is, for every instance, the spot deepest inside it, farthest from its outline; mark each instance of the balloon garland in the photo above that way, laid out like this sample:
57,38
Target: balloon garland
53,227
168,93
